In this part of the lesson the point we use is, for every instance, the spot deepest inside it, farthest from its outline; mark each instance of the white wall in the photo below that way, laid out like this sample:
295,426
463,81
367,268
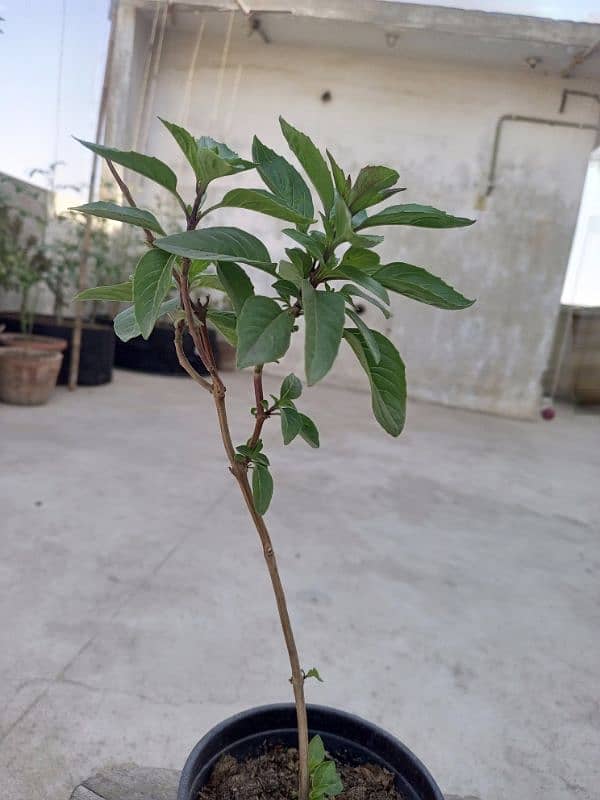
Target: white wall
435,123
582,284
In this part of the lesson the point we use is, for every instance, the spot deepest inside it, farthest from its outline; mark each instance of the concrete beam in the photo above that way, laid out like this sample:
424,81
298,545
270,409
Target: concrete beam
395,17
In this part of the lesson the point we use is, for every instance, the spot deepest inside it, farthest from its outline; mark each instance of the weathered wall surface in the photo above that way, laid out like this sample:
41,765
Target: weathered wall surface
32,203
435,123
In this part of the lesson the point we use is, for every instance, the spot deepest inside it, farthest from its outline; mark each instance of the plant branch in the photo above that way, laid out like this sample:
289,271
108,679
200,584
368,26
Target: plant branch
288,635
240,471
127,195
262,415
196,323
208,210
186,302
183,359
193,217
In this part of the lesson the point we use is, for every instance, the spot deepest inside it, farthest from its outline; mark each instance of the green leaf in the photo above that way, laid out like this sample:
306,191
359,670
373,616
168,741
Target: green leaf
414,214
312,161
264,332
341,181
310,244
225,322
263,202
236,283
219,244
291,272
313,672
197,267
208,158
151,282
220,148
342,220
207,282
349,291
286,289
367,335
148,166
325,781
368,185
387,379
316,748
300,259
309,431
283,179
362,279
125,323
363,240
359,257
419,284
131,216
291,388
185,140
118,292
291,424
262,488
324,317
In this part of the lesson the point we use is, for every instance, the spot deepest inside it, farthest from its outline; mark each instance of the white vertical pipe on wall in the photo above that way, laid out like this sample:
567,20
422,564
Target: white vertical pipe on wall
582,283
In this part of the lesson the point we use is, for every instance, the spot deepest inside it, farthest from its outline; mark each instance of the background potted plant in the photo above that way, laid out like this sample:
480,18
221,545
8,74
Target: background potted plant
325,270
97,341
155,354
29,364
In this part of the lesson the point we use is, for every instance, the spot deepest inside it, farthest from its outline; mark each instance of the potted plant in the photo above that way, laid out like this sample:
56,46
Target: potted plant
29,364
325,270
64,252
24,267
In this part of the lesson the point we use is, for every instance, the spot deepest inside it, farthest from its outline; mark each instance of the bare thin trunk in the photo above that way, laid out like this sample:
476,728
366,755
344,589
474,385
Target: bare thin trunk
241,475
239,470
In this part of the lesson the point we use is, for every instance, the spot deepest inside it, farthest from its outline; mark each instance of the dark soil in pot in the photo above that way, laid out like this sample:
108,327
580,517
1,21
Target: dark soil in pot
351,741
273,775
97,347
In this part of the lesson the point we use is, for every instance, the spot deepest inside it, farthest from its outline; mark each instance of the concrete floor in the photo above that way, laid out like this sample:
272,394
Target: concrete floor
446,584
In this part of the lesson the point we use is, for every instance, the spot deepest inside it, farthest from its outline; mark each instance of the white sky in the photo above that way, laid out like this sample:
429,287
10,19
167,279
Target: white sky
578,10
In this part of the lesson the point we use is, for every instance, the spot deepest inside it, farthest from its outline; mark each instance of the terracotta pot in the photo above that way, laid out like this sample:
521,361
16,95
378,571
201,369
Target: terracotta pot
27,376
97,353
28,341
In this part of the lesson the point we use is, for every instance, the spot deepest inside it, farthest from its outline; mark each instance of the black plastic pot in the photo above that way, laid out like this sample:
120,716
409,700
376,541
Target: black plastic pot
349,739
157,353
97,347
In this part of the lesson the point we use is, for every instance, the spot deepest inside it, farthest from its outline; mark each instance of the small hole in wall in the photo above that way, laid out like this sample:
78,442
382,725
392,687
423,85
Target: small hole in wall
326,96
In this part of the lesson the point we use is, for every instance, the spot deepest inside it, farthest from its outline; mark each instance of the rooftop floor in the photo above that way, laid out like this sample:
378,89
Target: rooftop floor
446,584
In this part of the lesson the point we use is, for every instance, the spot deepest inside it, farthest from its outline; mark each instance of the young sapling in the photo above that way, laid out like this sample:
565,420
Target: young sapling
326,271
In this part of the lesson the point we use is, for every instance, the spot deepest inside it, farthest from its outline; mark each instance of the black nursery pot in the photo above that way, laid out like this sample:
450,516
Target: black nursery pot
349,739
157,354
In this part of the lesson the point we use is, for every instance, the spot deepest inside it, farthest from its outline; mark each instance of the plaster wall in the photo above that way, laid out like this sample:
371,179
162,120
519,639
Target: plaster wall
33,203
435,123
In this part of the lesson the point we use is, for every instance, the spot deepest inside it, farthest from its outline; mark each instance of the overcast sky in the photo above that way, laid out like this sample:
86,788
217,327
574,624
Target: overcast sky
29,66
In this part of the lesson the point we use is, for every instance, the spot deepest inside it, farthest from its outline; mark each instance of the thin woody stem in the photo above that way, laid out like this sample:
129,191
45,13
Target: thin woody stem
240,471
128,196
261,414
183,359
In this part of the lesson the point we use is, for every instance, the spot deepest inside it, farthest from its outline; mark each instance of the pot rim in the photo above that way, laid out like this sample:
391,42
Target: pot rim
20,353
190,770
